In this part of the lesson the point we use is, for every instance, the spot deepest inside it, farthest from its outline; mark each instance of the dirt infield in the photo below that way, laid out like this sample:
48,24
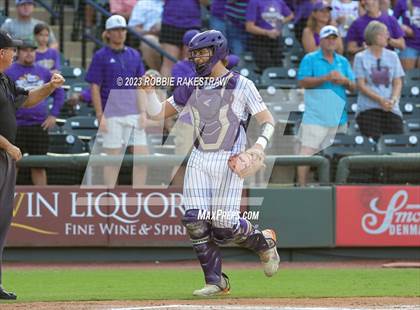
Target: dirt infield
225,303
194,264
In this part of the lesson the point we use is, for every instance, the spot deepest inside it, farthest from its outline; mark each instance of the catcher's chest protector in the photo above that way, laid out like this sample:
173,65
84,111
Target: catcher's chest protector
216,125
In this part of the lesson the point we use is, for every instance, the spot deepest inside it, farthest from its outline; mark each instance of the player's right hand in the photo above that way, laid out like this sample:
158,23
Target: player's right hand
14,152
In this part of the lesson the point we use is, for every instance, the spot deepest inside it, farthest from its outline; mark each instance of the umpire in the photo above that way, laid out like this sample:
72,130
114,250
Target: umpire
11,98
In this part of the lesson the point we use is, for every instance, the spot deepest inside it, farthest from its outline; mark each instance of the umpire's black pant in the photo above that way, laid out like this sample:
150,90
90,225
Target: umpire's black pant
7,191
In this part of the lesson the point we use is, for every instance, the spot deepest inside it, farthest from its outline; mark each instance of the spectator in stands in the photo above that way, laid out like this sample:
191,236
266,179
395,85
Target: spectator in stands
46,56
23,26
33,123
217,15
325,75
344,12
379,78
302,9
320,17
122,7
355,40
115,101
264,21
146,20
179,16
235,16
409,10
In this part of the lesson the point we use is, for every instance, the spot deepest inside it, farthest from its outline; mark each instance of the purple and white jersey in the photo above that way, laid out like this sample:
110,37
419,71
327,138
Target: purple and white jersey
243,100
209,183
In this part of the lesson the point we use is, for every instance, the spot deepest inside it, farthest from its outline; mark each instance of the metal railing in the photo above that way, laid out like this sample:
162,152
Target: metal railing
374,161
105,13
80,162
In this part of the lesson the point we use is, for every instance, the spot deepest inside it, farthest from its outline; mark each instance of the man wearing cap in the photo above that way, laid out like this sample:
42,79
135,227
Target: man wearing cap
33,123
114,76
325,75
22,27
11,98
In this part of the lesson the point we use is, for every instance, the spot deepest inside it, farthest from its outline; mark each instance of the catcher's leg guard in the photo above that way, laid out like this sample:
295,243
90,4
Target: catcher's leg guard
207,252
243,234
247,236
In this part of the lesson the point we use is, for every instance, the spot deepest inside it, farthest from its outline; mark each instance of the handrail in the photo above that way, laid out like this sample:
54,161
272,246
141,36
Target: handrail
373,161
6,7
104,12
81,161
50,10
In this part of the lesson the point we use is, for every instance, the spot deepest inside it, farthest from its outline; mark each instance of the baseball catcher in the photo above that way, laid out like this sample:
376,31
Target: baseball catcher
219,161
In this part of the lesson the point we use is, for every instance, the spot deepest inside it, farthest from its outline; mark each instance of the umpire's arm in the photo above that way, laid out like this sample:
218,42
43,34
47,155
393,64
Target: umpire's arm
39,94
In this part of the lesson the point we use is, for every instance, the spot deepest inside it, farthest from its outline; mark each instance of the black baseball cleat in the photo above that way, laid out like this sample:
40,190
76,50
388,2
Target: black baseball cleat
7,295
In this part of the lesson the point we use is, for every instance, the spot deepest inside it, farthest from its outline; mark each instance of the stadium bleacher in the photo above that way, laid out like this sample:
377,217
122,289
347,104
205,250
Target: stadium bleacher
78,133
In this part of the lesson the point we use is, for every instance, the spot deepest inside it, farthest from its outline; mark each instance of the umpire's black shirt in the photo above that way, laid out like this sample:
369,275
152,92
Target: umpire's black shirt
11,98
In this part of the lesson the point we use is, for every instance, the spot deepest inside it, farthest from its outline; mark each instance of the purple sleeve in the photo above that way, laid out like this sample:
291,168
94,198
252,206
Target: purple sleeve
352,33
182,94
95,74
58,98
285,10
57,64
396,30
86,95
251,11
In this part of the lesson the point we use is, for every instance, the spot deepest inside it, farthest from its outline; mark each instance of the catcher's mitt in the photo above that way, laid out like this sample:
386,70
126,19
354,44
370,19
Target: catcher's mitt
247,163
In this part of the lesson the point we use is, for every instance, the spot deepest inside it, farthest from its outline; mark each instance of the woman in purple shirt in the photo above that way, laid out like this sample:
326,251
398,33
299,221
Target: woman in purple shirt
179,16
409,10
265,20
46,57
320,17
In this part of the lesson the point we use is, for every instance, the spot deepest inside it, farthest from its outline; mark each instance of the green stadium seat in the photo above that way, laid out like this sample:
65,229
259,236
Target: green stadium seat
279,77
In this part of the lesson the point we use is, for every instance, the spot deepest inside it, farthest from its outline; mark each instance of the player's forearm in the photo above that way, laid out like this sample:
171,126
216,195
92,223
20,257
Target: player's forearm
37,95
154,107
266,121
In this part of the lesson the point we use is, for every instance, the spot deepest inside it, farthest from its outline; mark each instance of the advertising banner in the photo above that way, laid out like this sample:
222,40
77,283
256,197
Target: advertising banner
69,216
378,216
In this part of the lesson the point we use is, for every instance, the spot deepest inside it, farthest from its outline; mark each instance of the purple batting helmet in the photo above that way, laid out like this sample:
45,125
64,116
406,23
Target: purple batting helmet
214,40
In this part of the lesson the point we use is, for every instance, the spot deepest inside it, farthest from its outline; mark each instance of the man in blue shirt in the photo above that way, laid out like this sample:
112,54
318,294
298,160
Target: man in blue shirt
325,75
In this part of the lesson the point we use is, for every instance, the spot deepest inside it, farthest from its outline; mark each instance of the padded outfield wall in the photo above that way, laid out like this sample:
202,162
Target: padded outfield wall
328,218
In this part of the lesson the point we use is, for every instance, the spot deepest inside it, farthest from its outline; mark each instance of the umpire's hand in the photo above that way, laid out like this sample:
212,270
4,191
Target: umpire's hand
14,152
57,80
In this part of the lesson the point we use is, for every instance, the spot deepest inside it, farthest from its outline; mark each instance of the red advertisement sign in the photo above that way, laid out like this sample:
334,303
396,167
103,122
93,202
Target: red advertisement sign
378,216
72,216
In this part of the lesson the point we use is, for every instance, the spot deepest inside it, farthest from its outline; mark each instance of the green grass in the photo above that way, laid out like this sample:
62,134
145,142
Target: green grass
132,284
